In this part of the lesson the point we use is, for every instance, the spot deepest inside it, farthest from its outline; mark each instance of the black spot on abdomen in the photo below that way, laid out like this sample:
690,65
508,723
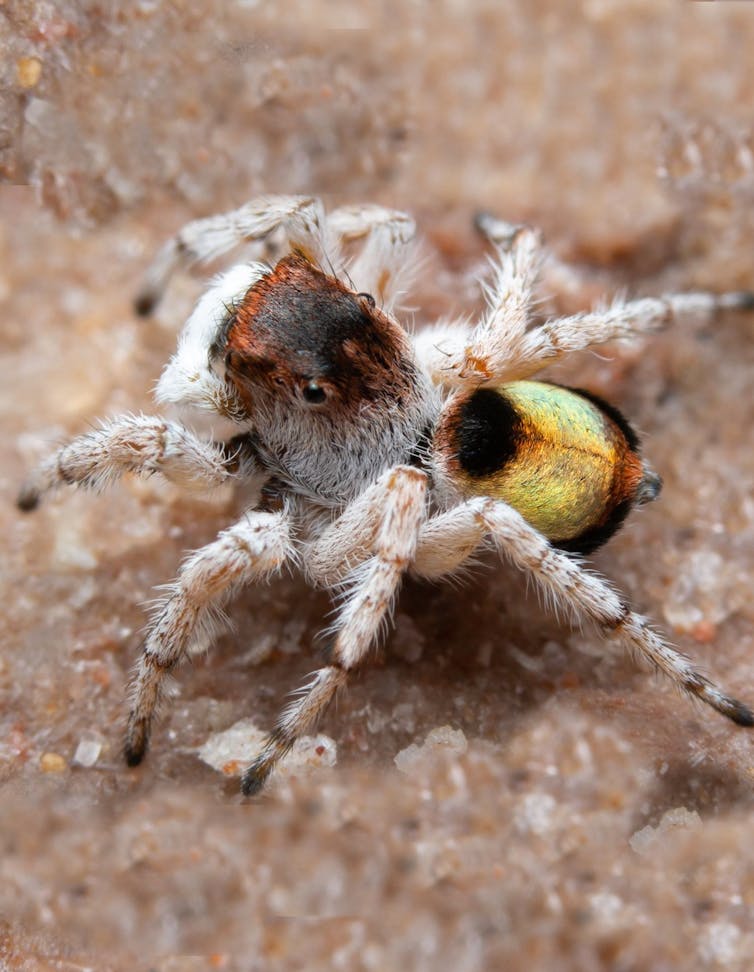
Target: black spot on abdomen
488,433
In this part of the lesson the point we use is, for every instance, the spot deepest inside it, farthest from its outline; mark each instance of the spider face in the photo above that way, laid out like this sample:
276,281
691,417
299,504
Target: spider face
302,337
392,453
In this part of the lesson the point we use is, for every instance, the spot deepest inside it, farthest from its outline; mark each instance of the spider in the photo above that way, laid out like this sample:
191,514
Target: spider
376,453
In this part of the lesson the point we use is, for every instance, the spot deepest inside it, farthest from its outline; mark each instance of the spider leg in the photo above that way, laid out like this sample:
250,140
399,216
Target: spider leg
447,540
504,347
557,279
370,594
384,266
348,540
134,443
301,218
500,233
567,583
454,355
554,338
253,548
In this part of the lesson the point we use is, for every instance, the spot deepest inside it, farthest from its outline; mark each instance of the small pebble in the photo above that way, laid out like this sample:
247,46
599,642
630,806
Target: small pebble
644,841
28,71
408,760
52,763
231,751
87,752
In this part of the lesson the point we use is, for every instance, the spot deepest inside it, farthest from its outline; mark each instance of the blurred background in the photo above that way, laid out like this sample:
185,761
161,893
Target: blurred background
507,792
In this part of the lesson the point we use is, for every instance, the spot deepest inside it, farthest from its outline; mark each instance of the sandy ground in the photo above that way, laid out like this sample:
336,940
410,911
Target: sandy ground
505,791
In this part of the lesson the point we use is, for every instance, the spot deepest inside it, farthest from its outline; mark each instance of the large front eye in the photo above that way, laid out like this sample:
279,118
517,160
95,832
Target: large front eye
313,393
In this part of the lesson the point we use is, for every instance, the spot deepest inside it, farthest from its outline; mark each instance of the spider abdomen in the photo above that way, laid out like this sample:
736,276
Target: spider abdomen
566,460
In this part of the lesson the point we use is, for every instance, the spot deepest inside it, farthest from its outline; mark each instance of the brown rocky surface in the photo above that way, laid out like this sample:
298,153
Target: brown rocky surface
509,793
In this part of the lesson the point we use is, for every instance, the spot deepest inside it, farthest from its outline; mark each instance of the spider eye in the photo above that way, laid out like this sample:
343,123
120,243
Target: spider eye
368,298
233,361
313,393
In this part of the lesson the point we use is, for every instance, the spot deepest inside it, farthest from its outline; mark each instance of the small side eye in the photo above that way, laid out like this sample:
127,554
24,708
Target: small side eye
233,361
313,393
368,298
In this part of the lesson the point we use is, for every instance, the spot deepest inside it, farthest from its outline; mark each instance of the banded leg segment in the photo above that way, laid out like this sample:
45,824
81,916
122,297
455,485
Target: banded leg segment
349,540
300,218
557,279
368,602
453,354
253,548
131,443
592,598
568,584
503,347
500,349
540,345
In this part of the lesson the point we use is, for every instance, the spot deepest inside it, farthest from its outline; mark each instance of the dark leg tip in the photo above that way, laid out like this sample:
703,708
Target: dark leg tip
736,300
133,756
251,785
27,499
741,714
742,300
144,304
135,748
255,777
497,231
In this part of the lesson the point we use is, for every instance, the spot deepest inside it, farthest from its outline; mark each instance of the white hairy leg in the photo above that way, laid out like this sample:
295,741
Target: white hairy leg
567,583
384,267
453,354
504,346
132,443
509,352
251,549
557,279
448,540
301,219
348,540
369,597
540,345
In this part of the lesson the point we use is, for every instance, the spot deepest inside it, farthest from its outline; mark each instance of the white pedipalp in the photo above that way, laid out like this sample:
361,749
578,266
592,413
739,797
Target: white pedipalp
191,377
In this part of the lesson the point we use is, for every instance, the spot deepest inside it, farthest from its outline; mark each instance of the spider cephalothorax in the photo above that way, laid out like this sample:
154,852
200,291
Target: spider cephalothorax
324,378
391,453
301,332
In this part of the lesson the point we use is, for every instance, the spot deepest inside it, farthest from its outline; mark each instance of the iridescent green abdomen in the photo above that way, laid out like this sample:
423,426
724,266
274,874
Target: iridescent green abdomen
567,461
